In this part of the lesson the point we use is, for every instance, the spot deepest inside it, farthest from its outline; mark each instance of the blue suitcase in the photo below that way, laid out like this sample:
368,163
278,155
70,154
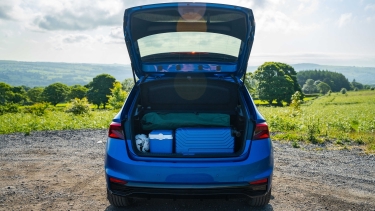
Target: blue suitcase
191,141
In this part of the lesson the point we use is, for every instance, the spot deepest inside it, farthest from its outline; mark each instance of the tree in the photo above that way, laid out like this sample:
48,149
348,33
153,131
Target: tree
35,94
77,91
250,83
6,93
309,86
317,82
355,84
289,70
335,80
323,87
26,88
19,94
99,89
116,100
127,84
274,83
366,86
55,93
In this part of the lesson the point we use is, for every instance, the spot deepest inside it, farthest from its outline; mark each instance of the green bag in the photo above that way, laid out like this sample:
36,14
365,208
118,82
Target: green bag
172,121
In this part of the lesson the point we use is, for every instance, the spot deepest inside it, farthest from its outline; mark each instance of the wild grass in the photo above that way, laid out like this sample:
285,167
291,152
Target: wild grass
342,119
54,120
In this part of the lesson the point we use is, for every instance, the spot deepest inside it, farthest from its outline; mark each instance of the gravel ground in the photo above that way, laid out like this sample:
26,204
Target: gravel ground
63,170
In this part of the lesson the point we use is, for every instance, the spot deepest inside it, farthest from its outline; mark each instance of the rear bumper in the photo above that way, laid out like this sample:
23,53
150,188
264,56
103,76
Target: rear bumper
189,179
188,191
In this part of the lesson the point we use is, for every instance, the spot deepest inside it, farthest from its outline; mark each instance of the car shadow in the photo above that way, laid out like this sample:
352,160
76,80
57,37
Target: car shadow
190,204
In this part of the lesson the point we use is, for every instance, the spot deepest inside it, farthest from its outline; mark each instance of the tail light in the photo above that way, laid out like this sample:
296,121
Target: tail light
261,131
258,182
115,131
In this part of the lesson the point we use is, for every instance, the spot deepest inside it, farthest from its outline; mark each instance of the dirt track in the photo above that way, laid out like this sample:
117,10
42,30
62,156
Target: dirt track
63,170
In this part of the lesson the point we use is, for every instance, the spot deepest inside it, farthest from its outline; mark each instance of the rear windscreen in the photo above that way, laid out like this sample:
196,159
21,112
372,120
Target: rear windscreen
199,32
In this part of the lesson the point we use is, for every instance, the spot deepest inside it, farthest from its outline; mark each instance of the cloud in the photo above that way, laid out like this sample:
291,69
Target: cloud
370,7
76,38
73,15
117,33
307,7
370,19
4,11
280,16
251,3
115,36
344,19
277,21
62,42
10,10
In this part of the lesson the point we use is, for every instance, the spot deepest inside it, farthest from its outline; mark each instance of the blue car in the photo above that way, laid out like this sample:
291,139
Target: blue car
189,127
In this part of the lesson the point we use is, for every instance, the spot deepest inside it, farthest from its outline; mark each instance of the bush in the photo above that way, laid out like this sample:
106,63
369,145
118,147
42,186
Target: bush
37,109
313,130
9,108
372,88
296,100
78,106
295,144
117,97
343,91
355,89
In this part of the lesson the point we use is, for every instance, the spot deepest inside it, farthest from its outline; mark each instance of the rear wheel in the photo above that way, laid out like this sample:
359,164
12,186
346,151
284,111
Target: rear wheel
118,201
260,201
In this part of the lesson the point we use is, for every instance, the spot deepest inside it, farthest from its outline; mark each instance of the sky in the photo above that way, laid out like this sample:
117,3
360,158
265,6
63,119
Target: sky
327,32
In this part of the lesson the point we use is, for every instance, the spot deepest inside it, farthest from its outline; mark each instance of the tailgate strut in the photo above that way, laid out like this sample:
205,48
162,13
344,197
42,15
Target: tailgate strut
135,81
244,76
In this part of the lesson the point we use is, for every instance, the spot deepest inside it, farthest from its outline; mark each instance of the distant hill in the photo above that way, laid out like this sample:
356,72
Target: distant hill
364,75
33,74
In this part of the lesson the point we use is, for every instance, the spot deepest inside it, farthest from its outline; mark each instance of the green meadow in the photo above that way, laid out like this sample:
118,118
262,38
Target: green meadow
345,120
55,119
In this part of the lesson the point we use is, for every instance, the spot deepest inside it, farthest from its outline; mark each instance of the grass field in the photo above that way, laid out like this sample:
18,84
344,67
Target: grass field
55,120
344,120
340,119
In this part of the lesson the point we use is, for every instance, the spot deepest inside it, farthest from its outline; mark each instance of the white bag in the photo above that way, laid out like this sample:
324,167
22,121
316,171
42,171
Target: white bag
142,143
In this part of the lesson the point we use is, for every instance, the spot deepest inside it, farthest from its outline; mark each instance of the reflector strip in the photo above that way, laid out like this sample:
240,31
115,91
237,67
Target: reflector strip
257,182
118,181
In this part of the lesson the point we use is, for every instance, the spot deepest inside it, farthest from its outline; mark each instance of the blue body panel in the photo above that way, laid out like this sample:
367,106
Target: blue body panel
257,166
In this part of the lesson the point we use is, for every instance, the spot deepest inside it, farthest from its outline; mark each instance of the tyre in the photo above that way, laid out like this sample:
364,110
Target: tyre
118,201
260,201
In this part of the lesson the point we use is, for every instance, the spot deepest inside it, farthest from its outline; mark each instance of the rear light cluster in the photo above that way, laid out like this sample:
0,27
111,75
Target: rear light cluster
115,131
261,131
